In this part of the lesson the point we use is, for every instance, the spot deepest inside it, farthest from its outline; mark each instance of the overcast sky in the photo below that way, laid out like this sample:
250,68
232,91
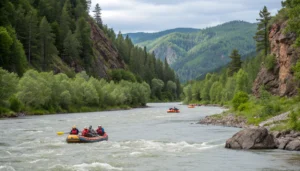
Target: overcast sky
157,15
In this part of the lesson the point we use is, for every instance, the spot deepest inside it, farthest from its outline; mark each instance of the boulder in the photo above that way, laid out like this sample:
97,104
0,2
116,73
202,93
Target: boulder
253,138
293,145
282,142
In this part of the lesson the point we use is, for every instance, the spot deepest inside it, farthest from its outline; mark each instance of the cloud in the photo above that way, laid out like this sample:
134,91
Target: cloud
156,15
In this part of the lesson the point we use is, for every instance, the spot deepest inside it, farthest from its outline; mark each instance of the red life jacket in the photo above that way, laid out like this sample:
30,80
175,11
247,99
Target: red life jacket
99,131
85,132
74,131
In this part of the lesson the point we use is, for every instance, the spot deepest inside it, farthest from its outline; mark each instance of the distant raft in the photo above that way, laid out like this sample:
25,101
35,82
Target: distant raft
191,106
173,111
82,139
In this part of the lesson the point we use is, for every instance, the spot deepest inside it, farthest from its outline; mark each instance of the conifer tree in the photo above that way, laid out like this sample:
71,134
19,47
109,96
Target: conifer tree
235,63
261,37
97,15
48,50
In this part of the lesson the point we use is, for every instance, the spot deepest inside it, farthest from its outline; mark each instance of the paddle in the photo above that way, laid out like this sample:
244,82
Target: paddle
62,133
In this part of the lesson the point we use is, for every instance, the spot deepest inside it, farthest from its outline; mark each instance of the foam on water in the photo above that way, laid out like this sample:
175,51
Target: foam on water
84,166
7,168
35,161
152,146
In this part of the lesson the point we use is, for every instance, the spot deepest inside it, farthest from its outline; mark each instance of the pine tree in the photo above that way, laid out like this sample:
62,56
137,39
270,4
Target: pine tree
97,15
48,50
71,48
82,33
235,63
88,3
261,37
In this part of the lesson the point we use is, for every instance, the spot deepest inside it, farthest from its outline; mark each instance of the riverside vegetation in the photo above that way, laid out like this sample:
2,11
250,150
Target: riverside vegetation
49,42
232,86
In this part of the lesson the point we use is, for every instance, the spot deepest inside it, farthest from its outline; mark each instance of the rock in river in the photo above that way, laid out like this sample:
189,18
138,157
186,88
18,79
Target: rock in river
252,138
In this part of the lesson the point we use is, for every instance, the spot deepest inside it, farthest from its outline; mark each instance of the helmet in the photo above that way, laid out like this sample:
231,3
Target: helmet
74,126
90,127
85,127
99,126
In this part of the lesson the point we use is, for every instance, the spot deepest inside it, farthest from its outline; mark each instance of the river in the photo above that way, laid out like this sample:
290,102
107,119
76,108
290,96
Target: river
147,139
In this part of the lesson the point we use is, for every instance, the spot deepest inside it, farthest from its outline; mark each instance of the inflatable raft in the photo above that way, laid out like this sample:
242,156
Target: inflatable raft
173,111
82,139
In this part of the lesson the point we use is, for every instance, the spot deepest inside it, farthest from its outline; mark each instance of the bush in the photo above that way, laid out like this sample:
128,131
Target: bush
270,62
294,123
15,104
239,98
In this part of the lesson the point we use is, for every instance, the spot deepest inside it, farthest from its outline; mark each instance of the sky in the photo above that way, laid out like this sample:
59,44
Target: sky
129,16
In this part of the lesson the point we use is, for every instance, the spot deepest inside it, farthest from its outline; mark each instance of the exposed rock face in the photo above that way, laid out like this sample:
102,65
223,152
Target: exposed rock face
288,140
279,81
106,56
254,138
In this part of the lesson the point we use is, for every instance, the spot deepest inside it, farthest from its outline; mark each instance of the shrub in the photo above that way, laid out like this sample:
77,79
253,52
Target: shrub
294,123
239,98
270,62
15,104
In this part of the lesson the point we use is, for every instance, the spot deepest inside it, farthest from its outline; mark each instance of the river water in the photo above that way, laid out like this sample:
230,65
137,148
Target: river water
147,139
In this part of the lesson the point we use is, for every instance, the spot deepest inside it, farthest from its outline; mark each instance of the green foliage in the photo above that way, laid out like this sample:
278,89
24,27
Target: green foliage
294,122
192,54
119,74
8,85
296,70
44,92
15,104
293,8
262,35
239,98
235,64
270,62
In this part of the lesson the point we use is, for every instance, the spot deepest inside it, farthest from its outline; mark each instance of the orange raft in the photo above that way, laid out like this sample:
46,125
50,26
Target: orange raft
173,111
82,139
191,106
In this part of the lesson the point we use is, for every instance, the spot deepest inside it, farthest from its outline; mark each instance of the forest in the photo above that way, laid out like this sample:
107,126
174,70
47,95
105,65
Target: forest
232,85
48,42
193,53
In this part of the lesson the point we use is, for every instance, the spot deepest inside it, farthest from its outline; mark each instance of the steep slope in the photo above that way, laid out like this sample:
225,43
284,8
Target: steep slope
279,80
142,37
106,56
194,54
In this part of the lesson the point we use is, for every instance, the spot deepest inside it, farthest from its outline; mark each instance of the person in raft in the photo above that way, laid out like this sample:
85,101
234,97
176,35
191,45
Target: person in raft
85,132
92,132
74,131
100,130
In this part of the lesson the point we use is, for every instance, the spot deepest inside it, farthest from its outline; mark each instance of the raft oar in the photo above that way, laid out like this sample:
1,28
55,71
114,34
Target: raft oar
61,133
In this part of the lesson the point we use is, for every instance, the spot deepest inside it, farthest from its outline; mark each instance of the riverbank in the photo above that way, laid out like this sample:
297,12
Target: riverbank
272,133
12,114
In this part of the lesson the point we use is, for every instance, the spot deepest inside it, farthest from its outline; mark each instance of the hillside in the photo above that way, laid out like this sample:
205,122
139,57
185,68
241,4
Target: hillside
194,54
142,37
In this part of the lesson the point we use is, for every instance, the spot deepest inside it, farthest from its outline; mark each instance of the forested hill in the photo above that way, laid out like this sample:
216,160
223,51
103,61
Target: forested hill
194,54
61,36
54,36
142,37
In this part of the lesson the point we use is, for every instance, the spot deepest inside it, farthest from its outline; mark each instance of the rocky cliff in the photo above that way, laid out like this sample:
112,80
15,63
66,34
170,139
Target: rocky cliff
279,80
106,55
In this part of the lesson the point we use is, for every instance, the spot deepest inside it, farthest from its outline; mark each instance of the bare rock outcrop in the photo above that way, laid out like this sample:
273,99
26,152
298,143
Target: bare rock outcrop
106,55
279,81
252,138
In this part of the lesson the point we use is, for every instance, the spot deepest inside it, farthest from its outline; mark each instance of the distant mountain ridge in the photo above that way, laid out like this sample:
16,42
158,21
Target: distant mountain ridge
192,54
142,36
